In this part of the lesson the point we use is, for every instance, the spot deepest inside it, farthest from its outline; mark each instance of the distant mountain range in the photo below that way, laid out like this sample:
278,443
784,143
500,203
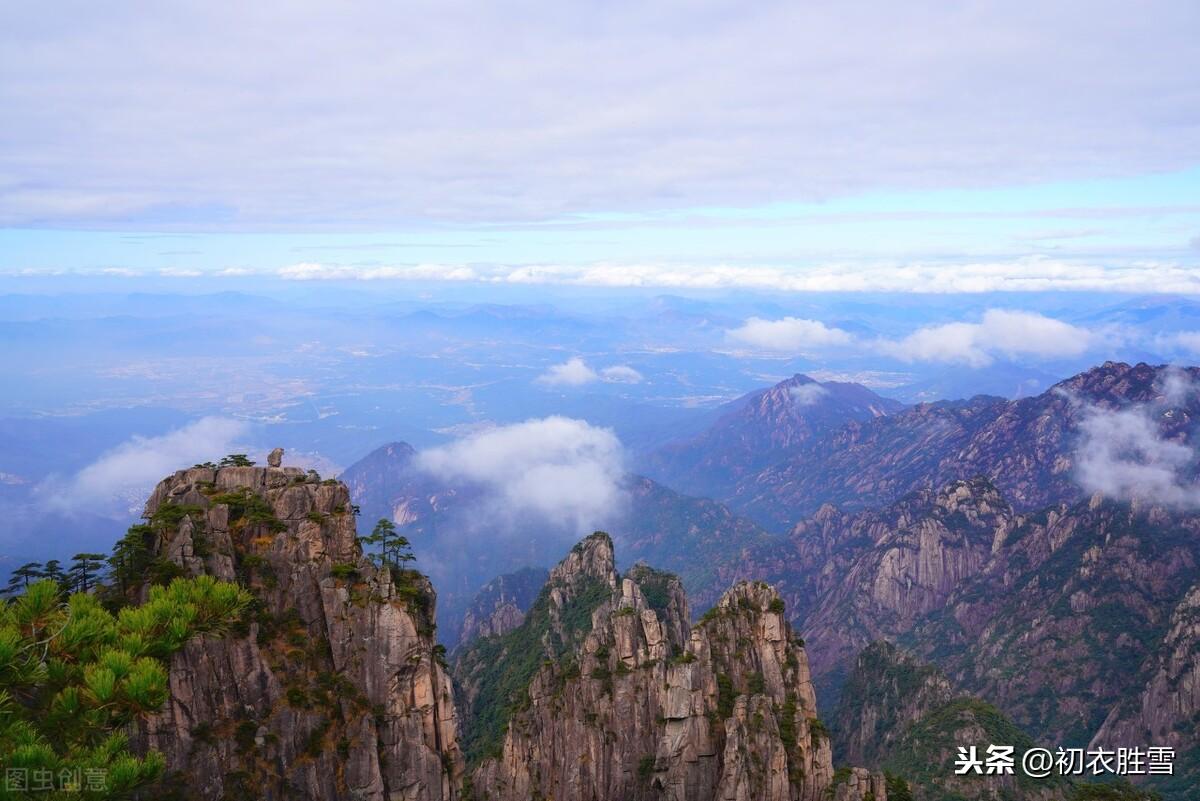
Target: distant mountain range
963,531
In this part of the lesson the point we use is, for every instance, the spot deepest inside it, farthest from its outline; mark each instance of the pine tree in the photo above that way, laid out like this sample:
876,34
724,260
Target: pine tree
75,676
236,460
85,571
393,549
23,576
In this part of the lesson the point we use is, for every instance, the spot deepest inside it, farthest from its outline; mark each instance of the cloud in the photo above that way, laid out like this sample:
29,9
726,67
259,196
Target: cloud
130,470
311,271
807,394
957,276
621,374
573,372
560,470
626,107
1123,455
1001,331
788,334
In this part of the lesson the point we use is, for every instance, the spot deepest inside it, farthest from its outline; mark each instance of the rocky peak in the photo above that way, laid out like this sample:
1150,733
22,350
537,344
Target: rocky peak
591,558
334,689
642,706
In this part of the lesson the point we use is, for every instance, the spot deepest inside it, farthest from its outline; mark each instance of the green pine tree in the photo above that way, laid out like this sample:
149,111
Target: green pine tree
74,676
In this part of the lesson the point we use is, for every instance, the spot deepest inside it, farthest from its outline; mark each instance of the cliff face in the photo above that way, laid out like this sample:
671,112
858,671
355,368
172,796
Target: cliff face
622,699
500,606
901,715
888,691
1167,710
931,543
1049,615
334,690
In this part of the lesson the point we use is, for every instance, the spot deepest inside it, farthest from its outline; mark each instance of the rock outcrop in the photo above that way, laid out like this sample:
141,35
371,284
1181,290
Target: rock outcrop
334,688
501,605
606,692
1167,710
886,694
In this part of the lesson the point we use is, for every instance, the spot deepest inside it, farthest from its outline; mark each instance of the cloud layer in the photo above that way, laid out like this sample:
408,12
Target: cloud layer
563,471
1001,331
201,114
575,372
130,470
1028,274
790,334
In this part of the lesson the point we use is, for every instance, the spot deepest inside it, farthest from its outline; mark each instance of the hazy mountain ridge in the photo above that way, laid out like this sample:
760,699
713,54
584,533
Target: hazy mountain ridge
760,428
1028,447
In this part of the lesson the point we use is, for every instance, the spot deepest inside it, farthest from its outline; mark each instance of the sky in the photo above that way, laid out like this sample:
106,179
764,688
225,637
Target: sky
922,147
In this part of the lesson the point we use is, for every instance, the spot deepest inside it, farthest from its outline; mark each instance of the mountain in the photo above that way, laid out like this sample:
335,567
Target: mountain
334,689
463,546
760,428
1028,447
1167,708
901,715
606,691
1058,617
501,605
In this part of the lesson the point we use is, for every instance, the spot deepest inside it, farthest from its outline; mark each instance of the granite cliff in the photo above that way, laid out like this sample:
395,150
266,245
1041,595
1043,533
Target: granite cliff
607,692
334,688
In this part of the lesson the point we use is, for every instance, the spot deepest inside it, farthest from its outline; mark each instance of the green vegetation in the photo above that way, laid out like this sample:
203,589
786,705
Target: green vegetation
916,756
247,508
504,666
74,675
725,695
1116,791
236,460
385,547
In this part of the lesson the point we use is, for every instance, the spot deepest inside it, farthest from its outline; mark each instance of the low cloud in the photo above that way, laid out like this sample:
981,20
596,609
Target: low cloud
575,372
563,471
1019,274
1124,453
807,394
127,473
1000,332
788,334
621,374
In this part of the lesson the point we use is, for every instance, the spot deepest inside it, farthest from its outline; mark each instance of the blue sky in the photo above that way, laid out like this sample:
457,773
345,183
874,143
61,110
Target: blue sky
646,144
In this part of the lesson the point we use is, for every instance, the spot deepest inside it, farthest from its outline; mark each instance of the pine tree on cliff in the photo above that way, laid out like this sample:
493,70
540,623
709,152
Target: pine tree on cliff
74,676
394,549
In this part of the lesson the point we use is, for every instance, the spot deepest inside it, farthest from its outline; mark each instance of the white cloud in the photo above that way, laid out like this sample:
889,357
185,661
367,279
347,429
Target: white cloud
1001,331
562,470
625,107
807,394
1028,274
621,374
573,372
788,334
1123,456
311,271
130,470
